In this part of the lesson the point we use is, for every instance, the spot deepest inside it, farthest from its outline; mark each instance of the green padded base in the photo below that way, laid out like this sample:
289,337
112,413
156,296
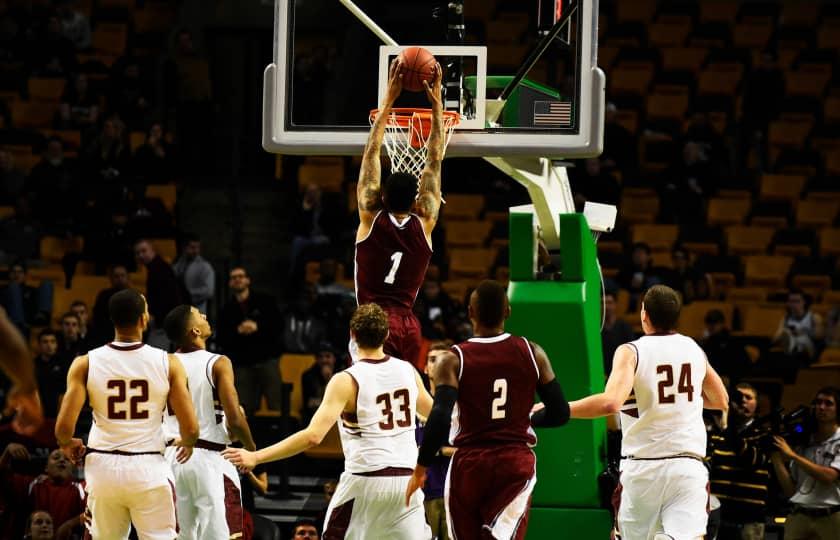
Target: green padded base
571,523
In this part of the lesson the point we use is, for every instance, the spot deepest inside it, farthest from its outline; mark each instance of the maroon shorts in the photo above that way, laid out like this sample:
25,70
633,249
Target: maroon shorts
404,337
489,491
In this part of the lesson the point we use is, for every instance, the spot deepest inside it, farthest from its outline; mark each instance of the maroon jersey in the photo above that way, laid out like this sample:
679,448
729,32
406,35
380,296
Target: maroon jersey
496,390
391,262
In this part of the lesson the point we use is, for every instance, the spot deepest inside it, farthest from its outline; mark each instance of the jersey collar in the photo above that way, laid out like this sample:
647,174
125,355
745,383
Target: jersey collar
122,346
493,339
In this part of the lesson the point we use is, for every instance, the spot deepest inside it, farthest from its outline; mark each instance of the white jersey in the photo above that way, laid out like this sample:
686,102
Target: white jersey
128,386
664,414
381,432
208,409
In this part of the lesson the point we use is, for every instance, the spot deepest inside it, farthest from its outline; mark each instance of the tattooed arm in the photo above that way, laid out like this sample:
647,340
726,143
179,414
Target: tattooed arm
428,202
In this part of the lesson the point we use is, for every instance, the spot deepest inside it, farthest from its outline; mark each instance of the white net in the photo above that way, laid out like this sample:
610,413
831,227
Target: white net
407,136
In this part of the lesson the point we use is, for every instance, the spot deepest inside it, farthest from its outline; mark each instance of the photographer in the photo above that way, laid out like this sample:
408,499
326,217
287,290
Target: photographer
813,482
740,476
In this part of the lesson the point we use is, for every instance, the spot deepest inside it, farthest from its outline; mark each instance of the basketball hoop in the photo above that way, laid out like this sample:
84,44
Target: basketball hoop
407,137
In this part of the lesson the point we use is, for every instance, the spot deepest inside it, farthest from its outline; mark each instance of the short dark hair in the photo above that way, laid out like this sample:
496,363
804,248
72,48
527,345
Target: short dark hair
47,332
662,304
70,314
834,392
641,245
440,346
369,324
126,307
305,522
176,322
491,302
714,316
400,190
78,303
189,237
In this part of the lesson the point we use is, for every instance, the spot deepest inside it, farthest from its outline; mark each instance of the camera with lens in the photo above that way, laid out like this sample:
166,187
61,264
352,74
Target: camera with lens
794,426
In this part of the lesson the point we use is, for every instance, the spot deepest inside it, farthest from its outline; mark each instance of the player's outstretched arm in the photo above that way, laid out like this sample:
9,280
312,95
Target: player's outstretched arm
368,188
236,421
715,395
181,401
428,201
340,391
556,410
71,406
16,363
618,388
437,427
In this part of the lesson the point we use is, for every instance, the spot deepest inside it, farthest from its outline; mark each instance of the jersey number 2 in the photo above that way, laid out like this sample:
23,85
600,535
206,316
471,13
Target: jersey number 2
396,259
497,409
684,385
134,412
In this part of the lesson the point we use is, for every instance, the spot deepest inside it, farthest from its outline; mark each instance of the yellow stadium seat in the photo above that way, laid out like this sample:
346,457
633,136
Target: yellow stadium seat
658,237
668,104
640,10
32,114
329,177
743,240
683,58
814,285
45,89
808,83
721,80
166,248
738,295
638,209
669,30
457,288
761,320
816,212
752,35
467,233
692,316
830,355
471,262
718,11
775,187
167,193
52,272
769,270
462,206
6,212
109,38
292,367
631,78
330,447
53,248
829,242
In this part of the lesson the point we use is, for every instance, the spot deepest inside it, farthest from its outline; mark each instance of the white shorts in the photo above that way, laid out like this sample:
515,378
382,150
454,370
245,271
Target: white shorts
366,507
665,496
130,489
208,498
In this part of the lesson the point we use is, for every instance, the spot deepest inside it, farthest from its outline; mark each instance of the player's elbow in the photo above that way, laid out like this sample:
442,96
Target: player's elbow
189,433
313,439
611,406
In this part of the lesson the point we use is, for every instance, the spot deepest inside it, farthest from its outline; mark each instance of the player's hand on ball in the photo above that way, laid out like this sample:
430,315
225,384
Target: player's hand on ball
184,453
395,77
244,460
74,450
433,90
417,481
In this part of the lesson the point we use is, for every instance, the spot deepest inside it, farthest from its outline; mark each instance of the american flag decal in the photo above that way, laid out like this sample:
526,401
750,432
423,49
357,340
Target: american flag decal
553,113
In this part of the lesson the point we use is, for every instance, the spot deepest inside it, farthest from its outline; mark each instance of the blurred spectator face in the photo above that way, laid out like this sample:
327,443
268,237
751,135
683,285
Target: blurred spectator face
431,290
17,274
185,42
306,531
53,25
70,327
326,360
81,313
715,323
593,167
81,84
5,160
119,277
47,346
609,306
796,304
239,280
749,402
55,152
155,133
59,468
825,408
109,129
680,260
312,195
40,526
144,252
328,271
192,249
641,257
329,489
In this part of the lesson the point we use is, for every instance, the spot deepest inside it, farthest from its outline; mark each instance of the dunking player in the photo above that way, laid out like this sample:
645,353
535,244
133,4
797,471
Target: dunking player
128,385
660,383
394,238
490,382
209,500
376,398
16,363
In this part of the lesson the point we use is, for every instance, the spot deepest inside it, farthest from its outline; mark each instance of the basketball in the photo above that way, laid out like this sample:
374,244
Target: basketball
418,65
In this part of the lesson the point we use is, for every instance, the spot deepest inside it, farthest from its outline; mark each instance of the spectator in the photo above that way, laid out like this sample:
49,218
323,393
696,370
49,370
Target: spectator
739,476
55,492
809,475
314,380
592,183
52,54
435,310
163,292
248,326
50,371
832,332
109,241
79,105
74,25
801,331
20,234
39,526
26,306
685,278
302,328
12,179
196,273
129,96
764,93
102,328
309,227
80,310
70,342
305,529
53,182
725,354
153,160
637,274
108,157
327,284
621,153
616,331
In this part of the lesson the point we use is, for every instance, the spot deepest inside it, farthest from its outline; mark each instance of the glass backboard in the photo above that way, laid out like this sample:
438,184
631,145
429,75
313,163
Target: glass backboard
330,69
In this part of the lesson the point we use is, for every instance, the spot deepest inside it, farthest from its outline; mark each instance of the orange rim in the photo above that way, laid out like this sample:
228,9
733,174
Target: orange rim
402,116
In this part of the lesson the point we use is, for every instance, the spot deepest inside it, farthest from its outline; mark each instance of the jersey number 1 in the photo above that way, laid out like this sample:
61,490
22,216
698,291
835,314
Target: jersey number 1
396,259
